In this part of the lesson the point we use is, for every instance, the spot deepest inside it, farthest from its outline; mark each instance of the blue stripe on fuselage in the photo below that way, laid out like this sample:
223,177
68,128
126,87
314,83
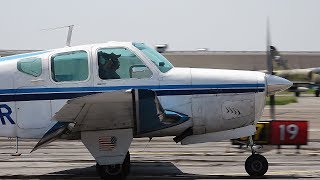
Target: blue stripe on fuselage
113,88
166,90
18,56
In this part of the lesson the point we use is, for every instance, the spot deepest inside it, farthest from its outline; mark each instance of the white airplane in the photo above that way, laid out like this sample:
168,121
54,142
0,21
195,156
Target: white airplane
107,94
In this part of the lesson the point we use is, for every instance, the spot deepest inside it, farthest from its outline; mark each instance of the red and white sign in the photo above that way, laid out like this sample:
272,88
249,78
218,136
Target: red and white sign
289,132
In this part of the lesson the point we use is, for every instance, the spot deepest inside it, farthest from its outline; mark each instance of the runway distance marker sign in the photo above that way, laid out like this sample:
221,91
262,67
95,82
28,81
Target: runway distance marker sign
289,132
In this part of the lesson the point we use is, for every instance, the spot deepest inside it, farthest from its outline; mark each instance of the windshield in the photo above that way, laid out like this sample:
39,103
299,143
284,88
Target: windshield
160,61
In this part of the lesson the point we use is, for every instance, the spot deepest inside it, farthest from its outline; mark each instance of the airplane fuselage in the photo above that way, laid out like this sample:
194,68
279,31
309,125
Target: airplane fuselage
35,86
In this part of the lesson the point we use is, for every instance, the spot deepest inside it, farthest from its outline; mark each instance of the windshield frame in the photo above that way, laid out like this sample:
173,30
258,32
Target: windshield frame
155,57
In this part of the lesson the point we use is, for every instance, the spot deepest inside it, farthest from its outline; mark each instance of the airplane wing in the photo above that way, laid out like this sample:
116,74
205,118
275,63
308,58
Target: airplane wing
116,110
302,83
107,121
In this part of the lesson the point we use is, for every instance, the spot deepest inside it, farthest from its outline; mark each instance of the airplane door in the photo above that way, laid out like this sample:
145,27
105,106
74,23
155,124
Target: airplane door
121,68
32,112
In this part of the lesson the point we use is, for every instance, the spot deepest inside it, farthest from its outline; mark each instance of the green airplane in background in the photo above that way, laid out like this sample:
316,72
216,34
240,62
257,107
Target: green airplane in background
303,79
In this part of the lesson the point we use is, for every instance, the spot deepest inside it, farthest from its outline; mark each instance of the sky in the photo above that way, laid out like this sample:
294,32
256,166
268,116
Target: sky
219,25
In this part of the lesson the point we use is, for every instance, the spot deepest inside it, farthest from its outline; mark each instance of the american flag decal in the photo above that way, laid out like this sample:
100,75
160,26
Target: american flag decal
107,143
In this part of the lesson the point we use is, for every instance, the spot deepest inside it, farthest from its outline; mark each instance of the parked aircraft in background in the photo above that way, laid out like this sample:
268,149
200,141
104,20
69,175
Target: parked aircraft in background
107,94
303,79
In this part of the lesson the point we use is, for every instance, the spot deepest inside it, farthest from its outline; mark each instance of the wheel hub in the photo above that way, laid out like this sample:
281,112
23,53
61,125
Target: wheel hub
256,166
113,169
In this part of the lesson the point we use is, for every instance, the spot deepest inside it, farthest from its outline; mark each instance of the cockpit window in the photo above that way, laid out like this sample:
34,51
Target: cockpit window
120,63
160,61
31,66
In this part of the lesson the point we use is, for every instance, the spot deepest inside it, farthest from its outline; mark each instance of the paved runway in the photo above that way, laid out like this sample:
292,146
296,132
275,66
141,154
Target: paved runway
163,159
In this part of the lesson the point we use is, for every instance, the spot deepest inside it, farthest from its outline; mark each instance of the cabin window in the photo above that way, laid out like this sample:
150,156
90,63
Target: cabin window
31,66
121,63
70,66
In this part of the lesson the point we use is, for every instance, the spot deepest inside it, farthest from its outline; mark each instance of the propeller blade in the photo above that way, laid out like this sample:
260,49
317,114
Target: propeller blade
269,50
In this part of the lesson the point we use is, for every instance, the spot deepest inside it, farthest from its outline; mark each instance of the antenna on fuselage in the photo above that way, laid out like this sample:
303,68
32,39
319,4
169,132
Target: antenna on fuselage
17,148
70,29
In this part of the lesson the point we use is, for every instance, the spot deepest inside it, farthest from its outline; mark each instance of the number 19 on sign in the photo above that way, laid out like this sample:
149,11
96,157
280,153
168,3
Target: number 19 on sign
291,129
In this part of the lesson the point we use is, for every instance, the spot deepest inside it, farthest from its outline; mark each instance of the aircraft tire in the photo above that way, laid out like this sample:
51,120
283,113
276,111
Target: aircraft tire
256,165
297,94
317,93
116,171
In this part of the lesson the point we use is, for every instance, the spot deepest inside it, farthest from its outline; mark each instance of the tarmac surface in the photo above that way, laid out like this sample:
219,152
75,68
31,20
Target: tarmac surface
164,159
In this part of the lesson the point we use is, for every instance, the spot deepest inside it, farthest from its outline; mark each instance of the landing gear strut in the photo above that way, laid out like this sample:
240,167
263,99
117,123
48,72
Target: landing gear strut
256,164
115,171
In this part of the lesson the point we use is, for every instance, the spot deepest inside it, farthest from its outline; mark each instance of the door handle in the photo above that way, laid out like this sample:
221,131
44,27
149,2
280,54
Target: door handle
37,80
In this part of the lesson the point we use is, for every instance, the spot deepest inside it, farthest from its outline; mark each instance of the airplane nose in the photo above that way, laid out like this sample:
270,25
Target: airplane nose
276,84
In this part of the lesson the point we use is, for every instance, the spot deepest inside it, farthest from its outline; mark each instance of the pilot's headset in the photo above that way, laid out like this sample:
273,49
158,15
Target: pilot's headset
106,58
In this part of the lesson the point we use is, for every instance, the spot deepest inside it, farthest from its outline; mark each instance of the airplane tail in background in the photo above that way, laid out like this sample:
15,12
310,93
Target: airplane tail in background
279,63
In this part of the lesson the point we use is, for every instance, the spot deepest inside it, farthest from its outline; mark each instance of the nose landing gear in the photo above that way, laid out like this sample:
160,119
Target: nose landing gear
256,164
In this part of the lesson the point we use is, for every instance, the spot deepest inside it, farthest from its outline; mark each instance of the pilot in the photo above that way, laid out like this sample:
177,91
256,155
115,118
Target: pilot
108,64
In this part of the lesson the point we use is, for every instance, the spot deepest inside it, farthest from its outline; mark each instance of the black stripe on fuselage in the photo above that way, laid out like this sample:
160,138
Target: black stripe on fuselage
204,91
71,95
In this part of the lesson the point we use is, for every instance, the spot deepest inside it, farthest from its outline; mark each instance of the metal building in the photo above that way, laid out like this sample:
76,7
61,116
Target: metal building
244,60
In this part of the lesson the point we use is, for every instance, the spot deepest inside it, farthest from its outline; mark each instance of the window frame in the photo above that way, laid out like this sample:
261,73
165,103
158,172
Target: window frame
123,47
63,52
